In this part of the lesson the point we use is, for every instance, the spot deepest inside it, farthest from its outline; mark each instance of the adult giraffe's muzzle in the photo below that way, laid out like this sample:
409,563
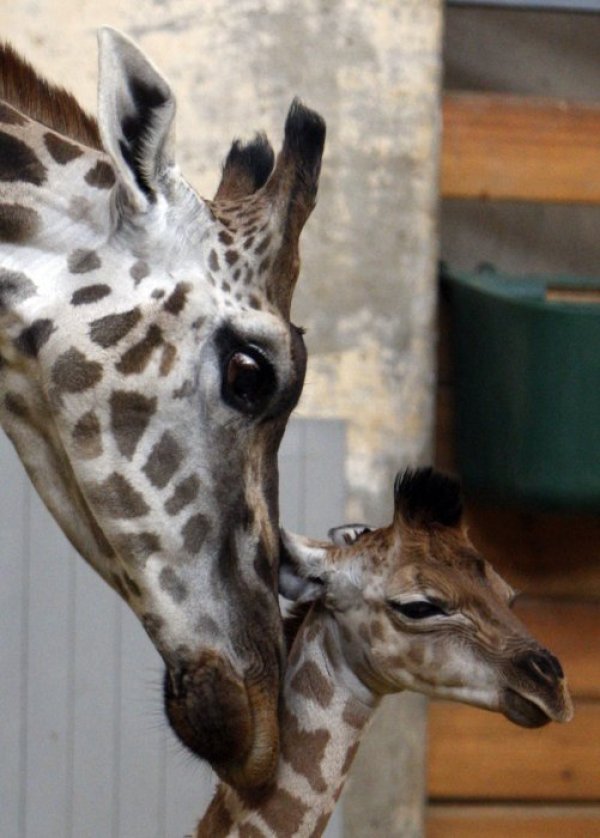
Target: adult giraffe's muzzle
230,722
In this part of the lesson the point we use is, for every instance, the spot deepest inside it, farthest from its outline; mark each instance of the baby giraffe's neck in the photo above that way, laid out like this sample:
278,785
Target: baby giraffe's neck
325,710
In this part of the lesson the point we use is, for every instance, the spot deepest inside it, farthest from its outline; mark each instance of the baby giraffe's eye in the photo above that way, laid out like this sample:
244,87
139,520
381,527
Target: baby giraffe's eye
418,609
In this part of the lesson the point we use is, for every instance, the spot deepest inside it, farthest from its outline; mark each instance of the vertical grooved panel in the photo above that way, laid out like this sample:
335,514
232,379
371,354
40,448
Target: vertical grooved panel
13,638
87,751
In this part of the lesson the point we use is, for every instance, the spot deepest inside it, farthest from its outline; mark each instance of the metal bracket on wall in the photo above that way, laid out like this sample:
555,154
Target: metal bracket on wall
588,6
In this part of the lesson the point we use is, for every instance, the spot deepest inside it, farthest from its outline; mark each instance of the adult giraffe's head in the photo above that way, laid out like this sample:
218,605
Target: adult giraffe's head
148,367
413,606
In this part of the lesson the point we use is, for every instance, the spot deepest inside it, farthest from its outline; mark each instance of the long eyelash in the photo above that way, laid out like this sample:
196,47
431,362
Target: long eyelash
514,598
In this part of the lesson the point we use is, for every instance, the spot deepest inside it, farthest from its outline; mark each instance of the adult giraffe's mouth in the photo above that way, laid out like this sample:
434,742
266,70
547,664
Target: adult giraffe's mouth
229,722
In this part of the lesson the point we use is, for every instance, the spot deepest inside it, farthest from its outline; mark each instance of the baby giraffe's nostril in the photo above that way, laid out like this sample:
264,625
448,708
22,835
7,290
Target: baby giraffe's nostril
542,664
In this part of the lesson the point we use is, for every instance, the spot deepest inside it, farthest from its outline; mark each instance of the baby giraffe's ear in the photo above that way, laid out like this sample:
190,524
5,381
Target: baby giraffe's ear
348,533
302,567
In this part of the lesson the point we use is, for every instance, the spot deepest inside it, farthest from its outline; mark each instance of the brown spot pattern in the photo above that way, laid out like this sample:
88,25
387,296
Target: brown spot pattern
310,682
225,237
247,830
73,373
213,261
101,175
304,750
167,360
31,339
184,493
83,261
87,437
349,758
90,294
117,498
117,583
176,301
262,247
217,821
136,548
284,814
321,824
109,330
194,532
353,715
60,149
18,224
130,414
152,624
139,270
164,460
136,359
18,162
14,288
131,584
172,584
16,404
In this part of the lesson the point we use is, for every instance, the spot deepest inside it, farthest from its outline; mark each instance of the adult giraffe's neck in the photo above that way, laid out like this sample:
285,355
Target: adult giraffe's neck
324,712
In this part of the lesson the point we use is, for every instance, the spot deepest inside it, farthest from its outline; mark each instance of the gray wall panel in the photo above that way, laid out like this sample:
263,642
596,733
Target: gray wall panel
85,749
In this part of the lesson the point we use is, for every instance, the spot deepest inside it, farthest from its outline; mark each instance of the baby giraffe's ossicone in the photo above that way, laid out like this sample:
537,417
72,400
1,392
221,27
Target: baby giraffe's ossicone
409,606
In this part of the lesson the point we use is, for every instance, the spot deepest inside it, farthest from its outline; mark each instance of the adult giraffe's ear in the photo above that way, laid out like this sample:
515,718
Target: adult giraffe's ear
302,567
136,109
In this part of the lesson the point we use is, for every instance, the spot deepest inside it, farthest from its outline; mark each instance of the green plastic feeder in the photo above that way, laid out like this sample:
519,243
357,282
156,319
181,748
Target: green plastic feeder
527,360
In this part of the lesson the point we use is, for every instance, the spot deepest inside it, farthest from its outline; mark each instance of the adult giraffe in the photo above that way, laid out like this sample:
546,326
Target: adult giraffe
147,370
409,606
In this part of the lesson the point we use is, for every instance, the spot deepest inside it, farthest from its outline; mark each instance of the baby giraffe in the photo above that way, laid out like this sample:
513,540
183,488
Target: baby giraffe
408,606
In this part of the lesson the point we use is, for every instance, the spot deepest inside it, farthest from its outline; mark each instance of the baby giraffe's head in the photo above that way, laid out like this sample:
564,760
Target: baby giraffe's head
416,607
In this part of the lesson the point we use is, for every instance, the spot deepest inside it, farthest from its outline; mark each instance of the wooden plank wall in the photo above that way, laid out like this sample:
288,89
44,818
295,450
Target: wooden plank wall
519,148
486,776
84,747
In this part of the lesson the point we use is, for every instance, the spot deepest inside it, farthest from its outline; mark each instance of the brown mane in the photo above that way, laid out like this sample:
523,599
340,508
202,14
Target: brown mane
25,90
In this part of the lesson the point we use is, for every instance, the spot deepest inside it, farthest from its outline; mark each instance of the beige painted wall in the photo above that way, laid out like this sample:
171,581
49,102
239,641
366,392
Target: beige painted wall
367,291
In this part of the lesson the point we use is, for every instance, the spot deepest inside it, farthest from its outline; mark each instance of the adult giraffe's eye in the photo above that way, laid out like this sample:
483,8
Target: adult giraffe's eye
418,609
248,380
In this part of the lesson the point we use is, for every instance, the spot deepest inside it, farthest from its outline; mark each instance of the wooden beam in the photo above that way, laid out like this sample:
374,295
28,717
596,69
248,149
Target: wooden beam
520,148
516,821
539,553
478,755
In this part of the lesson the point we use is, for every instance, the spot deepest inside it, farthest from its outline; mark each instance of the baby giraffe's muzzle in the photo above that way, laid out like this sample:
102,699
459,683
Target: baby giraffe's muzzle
536,693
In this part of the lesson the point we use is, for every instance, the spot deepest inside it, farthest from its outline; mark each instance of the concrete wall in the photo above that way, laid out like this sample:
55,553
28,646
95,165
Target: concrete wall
529,53
367,292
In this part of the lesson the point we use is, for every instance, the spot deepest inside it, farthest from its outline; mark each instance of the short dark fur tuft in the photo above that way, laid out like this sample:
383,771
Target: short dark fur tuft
426,497
255,159
305,135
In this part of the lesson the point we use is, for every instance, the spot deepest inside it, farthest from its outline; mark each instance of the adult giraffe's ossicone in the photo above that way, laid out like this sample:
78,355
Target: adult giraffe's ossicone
147,370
